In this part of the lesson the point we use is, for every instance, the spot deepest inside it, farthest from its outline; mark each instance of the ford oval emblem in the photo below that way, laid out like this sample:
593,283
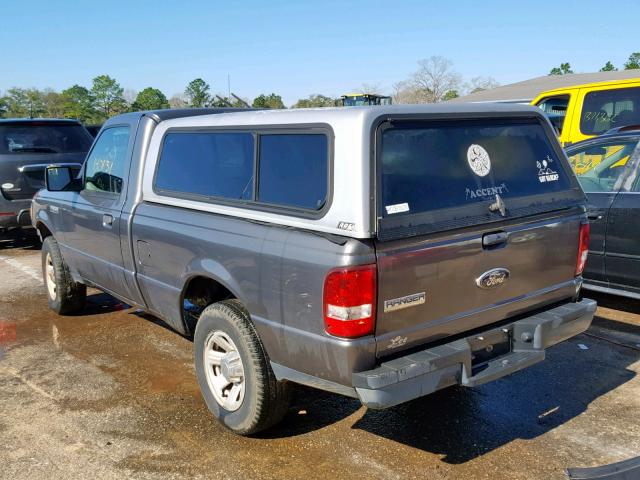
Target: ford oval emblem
493,278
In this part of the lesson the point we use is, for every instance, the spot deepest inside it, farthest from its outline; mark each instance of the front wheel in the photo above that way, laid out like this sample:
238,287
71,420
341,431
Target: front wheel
64,295
233,370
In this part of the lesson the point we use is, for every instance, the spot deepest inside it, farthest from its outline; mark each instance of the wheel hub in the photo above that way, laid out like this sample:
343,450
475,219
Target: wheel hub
224,370
231,367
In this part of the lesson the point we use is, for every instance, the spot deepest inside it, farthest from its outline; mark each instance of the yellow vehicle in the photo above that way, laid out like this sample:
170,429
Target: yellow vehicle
360,99
585,111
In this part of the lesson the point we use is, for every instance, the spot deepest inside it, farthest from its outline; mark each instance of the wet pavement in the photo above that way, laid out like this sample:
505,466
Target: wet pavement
112,394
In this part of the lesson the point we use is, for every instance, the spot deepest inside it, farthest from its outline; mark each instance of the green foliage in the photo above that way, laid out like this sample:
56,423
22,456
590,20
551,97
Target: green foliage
21,102
78,103
608,67
633,62
451,94
197,93
268,101
150,99
314,101
108,96
563,69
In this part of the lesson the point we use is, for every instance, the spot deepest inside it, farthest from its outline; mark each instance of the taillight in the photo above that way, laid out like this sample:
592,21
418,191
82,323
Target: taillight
350,301
583,248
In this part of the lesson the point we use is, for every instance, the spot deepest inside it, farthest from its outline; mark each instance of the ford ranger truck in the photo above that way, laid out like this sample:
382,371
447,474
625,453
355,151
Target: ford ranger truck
381,253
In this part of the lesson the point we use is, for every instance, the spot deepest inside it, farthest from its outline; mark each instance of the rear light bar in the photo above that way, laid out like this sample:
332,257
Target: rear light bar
583,248
349,300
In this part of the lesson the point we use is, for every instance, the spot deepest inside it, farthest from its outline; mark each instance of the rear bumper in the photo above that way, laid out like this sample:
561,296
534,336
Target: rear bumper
427,371
21,218
14,213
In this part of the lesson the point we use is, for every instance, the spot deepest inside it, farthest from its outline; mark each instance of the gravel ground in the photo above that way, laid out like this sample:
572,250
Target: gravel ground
112,394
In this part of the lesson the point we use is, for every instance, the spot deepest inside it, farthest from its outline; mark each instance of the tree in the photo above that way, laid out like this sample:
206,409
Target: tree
268,101
434,78
21,102
35,103
129,95
608,67
407,92
197,93
373,88
315,101
3,107
53,103
563,69
633,62
78,103
451,94
108,96
150,99
479,84
177,101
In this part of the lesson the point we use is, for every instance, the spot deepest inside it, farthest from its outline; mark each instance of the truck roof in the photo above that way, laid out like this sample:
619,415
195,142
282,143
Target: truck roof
171,113
365,114
608,83
249,116
39,120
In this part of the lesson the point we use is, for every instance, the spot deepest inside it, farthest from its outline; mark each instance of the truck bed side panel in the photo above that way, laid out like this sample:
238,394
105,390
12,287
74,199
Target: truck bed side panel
277,273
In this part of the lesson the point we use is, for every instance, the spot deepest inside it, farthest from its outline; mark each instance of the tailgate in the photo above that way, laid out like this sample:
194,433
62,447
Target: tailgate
478,222
443,278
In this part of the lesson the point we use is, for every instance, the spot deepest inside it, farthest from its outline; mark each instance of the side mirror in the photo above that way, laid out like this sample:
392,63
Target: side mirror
59,178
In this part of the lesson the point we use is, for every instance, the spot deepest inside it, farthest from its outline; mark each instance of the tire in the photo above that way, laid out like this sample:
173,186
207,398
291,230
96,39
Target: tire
66,296
260,401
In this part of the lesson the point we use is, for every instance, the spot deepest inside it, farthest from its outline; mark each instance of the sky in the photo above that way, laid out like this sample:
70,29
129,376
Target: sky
296,48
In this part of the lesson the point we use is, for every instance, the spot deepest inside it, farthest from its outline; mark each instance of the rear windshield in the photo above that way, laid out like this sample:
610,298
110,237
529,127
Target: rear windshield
430,167
43,138
606,109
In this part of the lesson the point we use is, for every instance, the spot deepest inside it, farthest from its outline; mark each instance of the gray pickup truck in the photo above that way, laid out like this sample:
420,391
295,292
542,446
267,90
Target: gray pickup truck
382,253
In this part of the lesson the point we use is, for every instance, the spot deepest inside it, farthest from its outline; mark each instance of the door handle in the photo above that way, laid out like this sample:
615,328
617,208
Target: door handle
493,239
595,217
107,220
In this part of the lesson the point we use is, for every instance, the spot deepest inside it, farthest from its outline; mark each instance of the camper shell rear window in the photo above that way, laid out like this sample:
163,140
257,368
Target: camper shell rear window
439,175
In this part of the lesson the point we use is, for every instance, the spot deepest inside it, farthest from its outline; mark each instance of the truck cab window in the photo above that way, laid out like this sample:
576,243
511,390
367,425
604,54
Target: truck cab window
556,109
105,166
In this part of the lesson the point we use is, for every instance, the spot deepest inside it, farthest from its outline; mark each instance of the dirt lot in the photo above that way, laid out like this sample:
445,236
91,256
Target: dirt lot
112,394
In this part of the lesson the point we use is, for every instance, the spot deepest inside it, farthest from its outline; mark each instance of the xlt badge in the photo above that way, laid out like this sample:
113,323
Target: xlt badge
404,302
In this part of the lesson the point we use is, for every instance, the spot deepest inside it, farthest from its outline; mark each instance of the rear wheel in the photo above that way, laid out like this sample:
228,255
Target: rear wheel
233,370
64,295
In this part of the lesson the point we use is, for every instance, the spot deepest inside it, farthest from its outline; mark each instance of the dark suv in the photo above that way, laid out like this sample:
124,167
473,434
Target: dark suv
27,146
608,169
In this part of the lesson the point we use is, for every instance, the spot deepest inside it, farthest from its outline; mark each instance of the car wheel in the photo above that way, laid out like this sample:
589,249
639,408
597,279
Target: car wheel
65,296
233,370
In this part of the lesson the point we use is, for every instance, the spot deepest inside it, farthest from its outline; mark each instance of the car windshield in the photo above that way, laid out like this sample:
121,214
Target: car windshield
43,137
